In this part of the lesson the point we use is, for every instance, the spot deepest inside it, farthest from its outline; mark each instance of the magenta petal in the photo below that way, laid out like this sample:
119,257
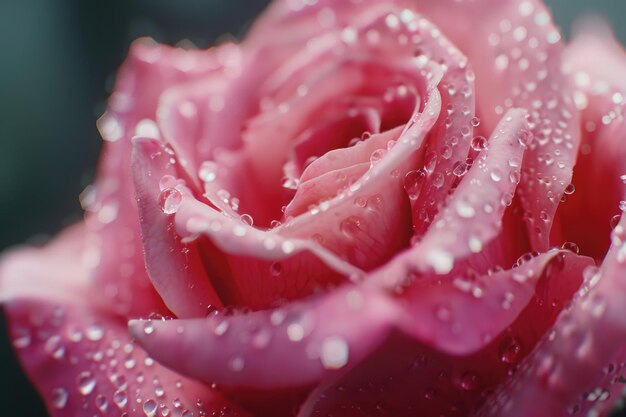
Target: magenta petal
175,269
578,366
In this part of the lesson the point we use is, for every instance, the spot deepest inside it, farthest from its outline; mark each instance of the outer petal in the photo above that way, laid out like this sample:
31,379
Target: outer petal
578,366
111,210
343,328
176,270
76,349
597,64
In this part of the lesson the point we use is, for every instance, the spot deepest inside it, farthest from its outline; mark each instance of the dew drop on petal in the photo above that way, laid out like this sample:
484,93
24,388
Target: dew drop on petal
170,200
208,171
59,398
510,350
150,408
120,398
571,246
94,333
86,383
334,352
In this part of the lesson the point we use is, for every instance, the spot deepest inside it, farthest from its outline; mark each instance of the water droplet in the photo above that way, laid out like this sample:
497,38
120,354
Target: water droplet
460,169
479,143
295,332
221,328
615,221
350,227
496,175
569,190
120,398
571,246
54,347
247,219
465,210
159,391
101,402
334,352
237,364
94,333
86,383
59,398
377,155
413,183
469,381
148,327
475,122
169,200
510,350
150,408
208,171
276,268
441,261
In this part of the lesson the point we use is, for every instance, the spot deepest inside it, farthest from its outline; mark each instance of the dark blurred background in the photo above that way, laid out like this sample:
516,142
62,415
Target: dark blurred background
59,59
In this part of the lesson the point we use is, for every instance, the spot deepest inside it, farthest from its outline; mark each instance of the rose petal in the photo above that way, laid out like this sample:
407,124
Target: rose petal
472,217
460,352
259,268
343,327
576,368
596,63
175,269
83,363
110,203
515,53
76,349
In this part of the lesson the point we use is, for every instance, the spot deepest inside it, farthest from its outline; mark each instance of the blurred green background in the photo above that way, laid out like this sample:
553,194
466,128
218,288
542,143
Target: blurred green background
59,58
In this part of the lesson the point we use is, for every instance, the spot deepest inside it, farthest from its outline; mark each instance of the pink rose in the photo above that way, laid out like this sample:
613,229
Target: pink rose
364,209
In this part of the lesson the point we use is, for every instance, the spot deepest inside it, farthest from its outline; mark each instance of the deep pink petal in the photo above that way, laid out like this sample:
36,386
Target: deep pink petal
597,64
577,368
175,269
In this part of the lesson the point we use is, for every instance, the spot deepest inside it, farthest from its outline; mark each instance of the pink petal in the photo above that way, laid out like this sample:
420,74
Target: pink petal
576,368
76,349
464,343
46,282
516,55
258,268
597,64
149,70
472,217
175,269
83,363
320,336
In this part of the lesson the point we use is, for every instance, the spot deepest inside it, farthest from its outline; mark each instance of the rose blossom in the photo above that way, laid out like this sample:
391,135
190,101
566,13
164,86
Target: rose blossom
366,208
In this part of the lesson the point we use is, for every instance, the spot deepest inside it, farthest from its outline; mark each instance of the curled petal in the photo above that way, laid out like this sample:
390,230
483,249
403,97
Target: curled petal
175,269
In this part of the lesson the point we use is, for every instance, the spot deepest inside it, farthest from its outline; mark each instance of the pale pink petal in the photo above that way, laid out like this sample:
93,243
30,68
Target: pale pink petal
175,269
